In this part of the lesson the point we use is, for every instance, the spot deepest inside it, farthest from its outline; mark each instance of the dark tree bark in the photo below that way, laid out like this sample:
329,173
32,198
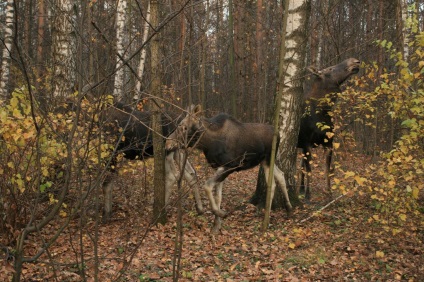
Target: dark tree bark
159,214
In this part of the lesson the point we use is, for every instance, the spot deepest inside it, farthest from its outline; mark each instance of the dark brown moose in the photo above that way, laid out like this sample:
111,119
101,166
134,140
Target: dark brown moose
316,126
228,146
136,142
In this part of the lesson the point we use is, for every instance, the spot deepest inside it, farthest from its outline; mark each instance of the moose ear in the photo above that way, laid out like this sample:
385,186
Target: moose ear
197,109
194,109
314,71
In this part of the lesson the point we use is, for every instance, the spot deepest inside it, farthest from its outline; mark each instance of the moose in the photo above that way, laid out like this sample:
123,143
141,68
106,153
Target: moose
316,125
228,146
137,143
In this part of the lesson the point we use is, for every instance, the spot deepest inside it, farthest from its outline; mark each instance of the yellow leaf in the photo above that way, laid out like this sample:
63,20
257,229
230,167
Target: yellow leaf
329,135
415,193
379,254
292,246
62,213
17,113
402,216
336,145
297,230
45,171
349,174
360,180
20,184
395,231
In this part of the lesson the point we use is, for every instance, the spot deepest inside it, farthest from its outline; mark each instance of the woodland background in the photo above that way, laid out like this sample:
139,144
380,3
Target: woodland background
223,55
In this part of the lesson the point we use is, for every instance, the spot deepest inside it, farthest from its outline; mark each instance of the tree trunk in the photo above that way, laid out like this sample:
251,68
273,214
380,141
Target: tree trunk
258,65
39,56
159,214
290,85
63,49
233,83
7,51
403,5
143,54
121,17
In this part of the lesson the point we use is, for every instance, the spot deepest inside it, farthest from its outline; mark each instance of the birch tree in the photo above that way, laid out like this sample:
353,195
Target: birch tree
408,25
63,48
293,87
143,54
7,50
121,16
292,55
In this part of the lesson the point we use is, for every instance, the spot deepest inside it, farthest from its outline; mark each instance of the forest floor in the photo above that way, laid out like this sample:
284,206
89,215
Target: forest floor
339,243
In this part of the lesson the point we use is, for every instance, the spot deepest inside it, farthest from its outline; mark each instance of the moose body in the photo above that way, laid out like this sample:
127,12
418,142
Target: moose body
137,142
228,146
316,125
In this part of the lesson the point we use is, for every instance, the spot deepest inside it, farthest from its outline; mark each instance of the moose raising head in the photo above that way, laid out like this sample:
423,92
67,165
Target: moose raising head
316,125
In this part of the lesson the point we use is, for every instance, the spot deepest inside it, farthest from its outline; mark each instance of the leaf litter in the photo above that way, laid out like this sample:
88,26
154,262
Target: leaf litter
336,244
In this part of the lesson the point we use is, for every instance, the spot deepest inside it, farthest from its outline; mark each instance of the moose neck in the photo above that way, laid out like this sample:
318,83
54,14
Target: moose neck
322,98
197,133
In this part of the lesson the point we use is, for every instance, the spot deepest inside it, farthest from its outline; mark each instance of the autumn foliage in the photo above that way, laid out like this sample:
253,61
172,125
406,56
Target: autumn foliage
53,165
394,182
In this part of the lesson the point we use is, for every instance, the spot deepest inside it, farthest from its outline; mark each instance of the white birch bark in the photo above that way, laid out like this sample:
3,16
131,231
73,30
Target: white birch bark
143,54
63,48
121,16
7,49
406,28
293,60
292,84
288,98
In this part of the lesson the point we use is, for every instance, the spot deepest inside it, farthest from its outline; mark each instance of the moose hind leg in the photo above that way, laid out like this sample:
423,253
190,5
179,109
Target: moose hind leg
279,177
266,171
218,197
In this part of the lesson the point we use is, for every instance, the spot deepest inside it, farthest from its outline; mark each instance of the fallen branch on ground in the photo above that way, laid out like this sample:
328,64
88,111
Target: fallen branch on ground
321,209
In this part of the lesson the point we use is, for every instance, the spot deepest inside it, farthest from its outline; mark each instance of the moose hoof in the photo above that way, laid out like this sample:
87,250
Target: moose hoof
307,198
220,213
216,226
105,219
289,209
199,211
215,230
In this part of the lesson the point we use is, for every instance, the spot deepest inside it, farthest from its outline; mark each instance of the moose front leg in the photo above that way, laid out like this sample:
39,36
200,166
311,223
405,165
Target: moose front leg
191,177
170,175
107,193
219,176
307,168
300,184
328,169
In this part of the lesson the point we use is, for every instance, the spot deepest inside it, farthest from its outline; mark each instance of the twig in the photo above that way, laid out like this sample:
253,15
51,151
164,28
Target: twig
321,209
